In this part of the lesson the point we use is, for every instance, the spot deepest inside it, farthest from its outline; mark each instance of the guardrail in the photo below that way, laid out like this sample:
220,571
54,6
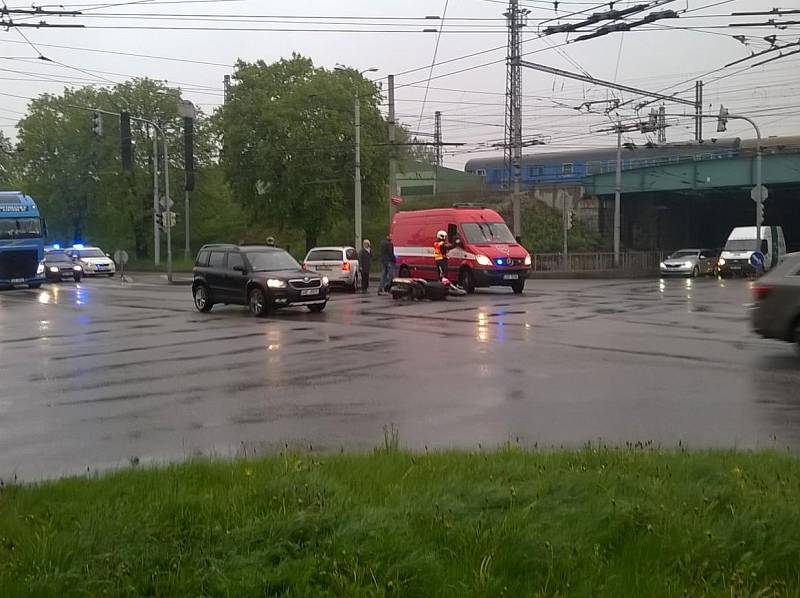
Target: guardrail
630,261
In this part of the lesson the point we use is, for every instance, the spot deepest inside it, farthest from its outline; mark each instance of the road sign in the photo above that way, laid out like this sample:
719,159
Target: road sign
754,193
121,257
170,219
163,203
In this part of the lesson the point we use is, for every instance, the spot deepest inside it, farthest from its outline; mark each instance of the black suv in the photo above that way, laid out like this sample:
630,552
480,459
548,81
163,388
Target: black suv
263,278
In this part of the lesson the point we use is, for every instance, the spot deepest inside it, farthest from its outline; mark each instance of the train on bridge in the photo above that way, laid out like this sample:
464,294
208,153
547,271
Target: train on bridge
571,167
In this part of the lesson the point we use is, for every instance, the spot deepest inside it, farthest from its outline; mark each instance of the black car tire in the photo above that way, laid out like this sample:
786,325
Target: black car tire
257,302
202,299
315,309
518,287
695,272
35,285
466,280
111,275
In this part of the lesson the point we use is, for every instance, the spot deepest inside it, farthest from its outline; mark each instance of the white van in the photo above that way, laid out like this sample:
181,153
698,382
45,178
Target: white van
741,245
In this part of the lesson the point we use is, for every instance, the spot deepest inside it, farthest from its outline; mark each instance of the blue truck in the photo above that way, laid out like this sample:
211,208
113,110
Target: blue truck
22,233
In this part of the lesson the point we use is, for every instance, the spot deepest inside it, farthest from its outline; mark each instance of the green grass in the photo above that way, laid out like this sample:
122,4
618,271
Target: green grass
594,522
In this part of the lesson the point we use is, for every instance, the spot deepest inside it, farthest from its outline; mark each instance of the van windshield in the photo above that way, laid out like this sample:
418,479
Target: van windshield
483,233
740,245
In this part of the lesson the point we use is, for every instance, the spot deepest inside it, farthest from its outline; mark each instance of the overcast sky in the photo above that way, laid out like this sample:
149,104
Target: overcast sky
665,56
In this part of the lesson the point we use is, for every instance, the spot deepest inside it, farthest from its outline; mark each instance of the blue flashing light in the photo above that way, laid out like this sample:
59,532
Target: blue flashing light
499,262
77,245
56,246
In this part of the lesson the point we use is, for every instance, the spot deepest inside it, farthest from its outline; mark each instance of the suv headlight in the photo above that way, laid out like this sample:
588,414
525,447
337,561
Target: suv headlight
274,283
721,261
53,269
663,266
325,281
528,260
40,269
483,260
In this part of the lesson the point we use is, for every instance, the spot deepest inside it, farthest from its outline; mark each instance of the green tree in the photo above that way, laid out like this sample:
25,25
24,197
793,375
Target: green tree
7,163
77,176
289,143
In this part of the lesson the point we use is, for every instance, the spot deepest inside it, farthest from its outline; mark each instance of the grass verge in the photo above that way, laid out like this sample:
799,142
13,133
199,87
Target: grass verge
596,522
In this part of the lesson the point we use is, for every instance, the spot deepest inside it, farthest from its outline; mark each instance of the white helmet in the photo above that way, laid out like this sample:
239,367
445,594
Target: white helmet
441,235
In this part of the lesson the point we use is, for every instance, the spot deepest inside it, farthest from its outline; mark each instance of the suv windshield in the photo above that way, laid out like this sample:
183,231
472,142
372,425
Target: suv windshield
683,253
740,245
482,233
20,228
269,261
57,258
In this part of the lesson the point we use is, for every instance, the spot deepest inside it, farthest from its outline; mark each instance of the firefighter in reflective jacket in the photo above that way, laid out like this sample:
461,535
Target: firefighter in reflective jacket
440,249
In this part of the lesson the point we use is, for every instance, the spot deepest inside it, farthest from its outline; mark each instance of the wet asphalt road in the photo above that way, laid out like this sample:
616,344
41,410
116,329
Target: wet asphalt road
96,374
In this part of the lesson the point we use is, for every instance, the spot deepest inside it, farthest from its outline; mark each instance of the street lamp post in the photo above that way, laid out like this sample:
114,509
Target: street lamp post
357,172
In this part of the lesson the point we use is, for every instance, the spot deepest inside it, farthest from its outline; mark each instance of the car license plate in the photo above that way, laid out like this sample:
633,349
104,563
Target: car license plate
736,267
511,277
17,280
307,292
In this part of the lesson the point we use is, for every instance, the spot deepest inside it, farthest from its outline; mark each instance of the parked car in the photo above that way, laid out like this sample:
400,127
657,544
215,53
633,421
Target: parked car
776,312
339,264
92,260
485,252
58,267
260,277
690,262
737,256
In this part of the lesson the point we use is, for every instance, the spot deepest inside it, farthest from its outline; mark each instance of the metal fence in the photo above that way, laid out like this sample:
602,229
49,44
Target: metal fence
630,261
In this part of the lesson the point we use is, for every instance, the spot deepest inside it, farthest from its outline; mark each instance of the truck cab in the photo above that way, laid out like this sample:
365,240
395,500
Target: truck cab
22,232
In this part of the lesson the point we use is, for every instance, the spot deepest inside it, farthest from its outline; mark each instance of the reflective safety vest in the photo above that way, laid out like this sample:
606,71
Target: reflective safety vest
439,250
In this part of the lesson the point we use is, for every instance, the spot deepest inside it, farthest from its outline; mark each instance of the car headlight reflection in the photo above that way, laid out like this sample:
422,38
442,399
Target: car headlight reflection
663,266
274,283
53,269
721,261
483,260
687,264
325,281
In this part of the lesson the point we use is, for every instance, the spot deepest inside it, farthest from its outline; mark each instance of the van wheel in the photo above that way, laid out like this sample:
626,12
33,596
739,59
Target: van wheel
404,272
695,272
466,280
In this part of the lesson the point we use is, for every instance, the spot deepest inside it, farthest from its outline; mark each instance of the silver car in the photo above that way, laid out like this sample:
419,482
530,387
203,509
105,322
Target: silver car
690,262
339,264
776,310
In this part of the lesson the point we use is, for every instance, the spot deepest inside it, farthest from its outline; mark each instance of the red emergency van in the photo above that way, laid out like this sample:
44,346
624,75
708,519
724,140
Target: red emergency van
484,251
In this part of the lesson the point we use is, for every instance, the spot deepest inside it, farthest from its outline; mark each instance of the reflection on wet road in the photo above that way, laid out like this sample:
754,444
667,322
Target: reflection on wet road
97,373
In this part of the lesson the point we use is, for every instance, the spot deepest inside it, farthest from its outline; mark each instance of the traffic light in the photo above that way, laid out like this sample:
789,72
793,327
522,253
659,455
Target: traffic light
126,149
188,152
722,120
97,123
570,219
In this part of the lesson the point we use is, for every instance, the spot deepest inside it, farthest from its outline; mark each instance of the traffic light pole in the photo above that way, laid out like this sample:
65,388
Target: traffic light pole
723,118
156,228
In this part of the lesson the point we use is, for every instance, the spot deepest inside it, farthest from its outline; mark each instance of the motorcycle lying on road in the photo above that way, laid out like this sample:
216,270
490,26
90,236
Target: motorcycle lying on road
419,289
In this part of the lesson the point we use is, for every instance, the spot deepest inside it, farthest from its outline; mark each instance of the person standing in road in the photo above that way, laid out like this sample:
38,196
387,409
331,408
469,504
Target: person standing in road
388,260
440,249
365,264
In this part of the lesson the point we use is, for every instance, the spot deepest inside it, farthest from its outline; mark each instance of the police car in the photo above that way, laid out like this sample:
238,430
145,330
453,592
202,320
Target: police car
92,260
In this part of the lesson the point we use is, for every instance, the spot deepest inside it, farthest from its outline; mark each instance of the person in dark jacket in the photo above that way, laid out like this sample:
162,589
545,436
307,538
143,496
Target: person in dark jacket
365,264
388,260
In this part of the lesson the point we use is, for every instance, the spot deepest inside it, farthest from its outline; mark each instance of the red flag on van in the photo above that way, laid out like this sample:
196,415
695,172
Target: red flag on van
396,200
